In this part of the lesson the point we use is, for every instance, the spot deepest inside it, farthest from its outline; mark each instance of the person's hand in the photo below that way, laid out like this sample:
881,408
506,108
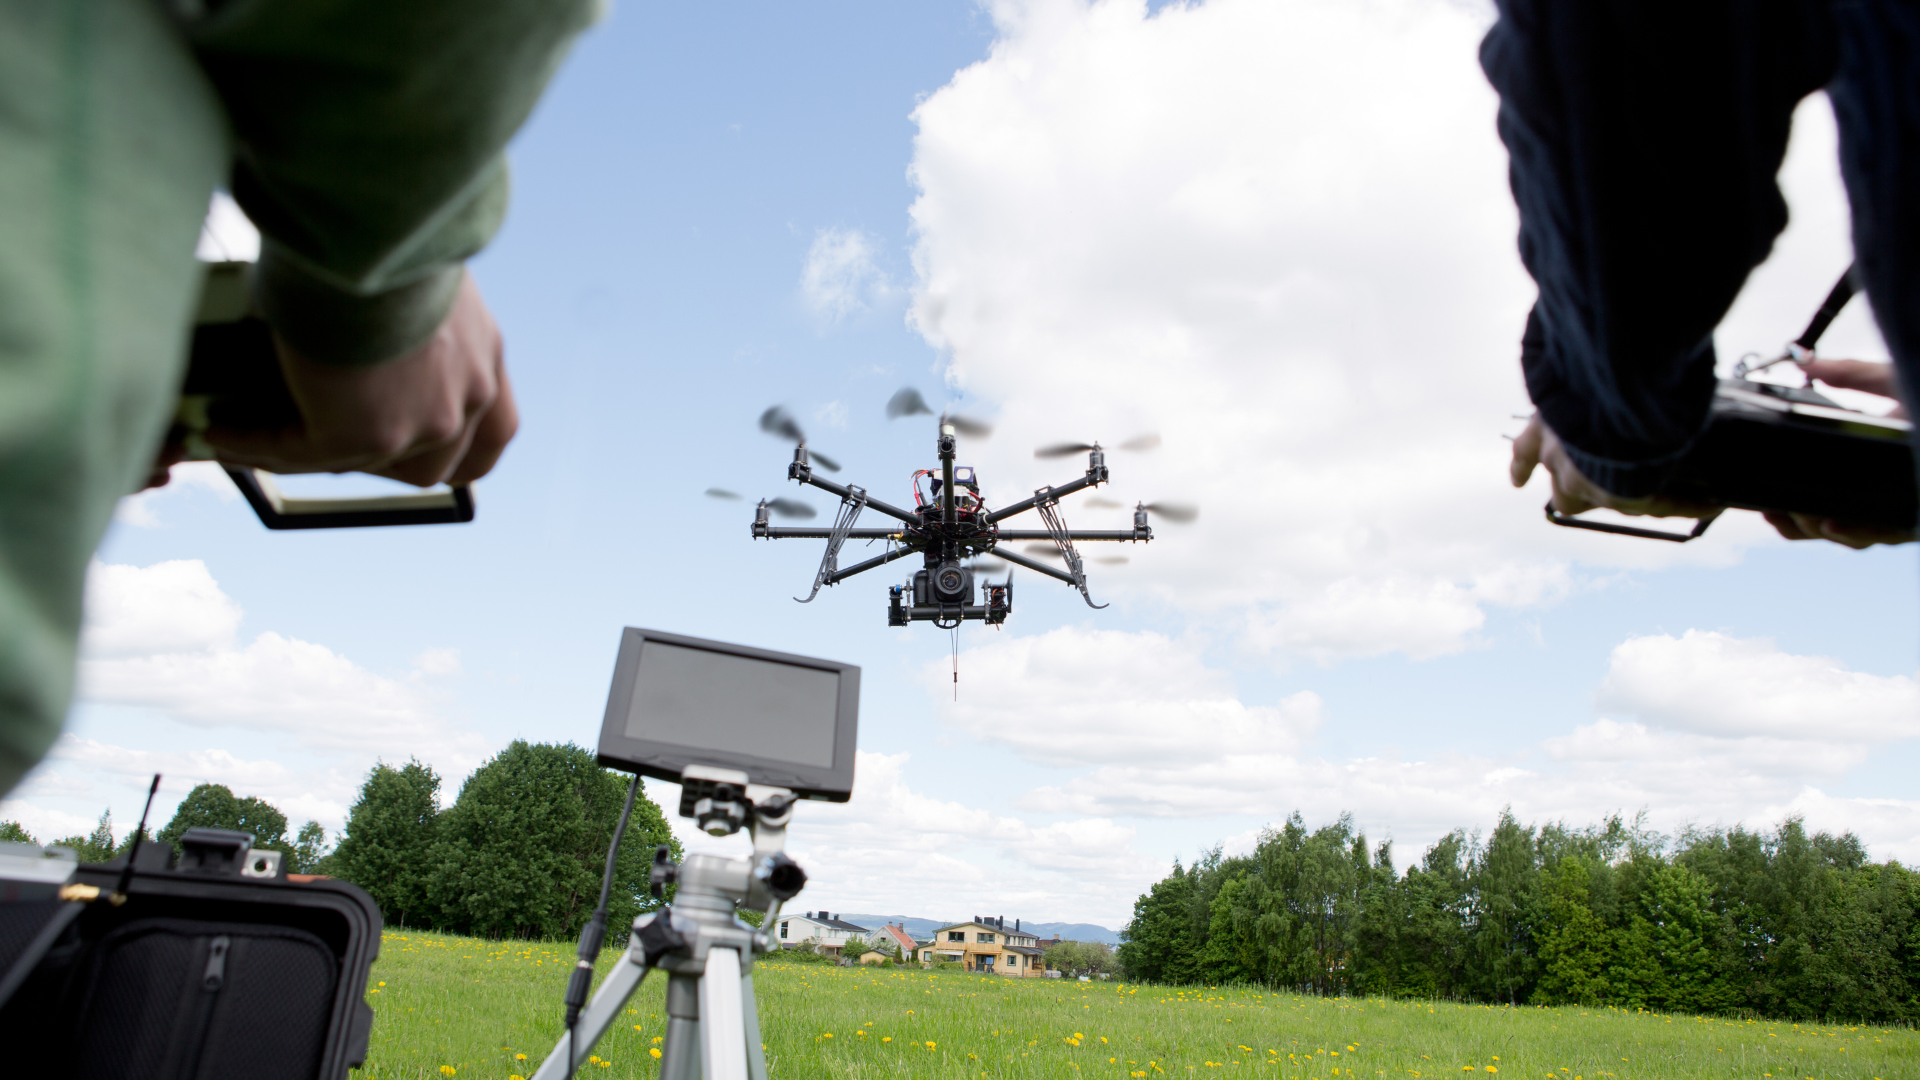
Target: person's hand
1846,375
1573,493
442,413
1857,375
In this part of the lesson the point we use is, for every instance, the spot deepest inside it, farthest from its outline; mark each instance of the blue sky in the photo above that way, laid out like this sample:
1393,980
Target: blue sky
1276,234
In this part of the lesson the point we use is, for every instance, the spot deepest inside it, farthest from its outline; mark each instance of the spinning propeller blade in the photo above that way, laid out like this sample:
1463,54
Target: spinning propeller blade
967,425
907,402
1179,513
1044,550
1149,441
723,493
778,421
1112,560
1101,503
791,508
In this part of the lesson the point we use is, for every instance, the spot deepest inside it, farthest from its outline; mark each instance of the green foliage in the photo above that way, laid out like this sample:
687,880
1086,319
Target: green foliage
14,832
309,850
213,806
387,848
1081,958
521,851
1778,924
97,846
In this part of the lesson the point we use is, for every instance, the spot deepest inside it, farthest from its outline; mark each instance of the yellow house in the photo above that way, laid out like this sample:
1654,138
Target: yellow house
987,945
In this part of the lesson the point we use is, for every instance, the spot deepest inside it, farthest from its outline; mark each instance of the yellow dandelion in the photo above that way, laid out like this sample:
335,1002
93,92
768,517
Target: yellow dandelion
930,1045
446,1070
886,1038
656,1038
653,1052
1493,1068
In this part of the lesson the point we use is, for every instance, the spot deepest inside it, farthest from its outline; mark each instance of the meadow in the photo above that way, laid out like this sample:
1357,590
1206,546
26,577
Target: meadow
466,1007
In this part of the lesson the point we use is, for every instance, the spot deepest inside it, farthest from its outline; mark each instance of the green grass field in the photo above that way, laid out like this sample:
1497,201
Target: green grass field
469,1008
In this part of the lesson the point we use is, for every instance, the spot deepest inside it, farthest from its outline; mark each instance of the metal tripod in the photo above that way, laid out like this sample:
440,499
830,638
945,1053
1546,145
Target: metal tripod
713,1025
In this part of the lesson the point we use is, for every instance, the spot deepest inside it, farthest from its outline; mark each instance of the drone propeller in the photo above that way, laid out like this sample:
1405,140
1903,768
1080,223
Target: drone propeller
988,565
1112,560
1101,503
966,425
1178,513
723,493
907,402
1149,441
791,508
1047,551
778,421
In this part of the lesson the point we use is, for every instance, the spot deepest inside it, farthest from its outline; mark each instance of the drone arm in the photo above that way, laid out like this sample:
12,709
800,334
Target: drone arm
804,474
879,560
1080,534
1093,477
1036,567
770,532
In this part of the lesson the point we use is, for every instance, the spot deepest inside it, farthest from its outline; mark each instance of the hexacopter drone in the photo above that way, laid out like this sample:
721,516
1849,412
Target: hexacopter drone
949,525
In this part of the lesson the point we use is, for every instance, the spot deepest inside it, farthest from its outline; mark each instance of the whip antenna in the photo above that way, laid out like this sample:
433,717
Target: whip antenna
133,851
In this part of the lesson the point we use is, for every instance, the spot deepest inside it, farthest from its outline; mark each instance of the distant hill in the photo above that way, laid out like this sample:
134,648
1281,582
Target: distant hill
921,928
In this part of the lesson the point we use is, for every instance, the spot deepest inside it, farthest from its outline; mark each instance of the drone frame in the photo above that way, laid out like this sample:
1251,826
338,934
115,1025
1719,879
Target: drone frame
945,533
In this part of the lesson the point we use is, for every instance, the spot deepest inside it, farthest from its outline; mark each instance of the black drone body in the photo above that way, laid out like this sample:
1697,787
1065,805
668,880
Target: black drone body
948,526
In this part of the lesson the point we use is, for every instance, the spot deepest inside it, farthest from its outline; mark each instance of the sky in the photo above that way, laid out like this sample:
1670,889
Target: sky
1276,234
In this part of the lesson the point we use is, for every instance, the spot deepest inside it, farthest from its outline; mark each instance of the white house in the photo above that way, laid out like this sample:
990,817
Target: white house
819,929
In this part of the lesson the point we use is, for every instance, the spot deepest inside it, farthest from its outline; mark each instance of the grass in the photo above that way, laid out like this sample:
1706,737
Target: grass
471,1006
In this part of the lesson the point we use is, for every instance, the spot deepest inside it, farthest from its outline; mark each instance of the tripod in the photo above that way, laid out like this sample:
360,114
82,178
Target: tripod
713,1024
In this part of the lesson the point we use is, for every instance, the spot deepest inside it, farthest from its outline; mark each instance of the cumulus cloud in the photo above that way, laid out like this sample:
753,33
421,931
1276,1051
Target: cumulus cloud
895,848
1050,698
1078,698
841,276
165,639
1719,685
1281,236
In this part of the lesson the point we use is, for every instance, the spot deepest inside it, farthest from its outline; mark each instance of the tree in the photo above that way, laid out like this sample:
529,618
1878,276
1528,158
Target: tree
309,850
521,851
387,848
15,833
1158,944
213,806
97,846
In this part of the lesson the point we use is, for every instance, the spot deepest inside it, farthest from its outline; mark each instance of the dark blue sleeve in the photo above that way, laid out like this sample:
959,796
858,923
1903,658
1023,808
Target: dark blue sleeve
1643,138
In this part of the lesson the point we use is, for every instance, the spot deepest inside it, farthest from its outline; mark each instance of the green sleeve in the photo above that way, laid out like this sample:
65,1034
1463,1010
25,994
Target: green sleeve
368,149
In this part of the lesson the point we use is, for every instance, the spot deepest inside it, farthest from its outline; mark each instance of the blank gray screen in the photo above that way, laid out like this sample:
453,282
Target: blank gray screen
734,704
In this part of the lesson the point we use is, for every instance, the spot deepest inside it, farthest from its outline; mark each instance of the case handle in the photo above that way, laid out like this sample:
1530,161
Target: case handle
1569,521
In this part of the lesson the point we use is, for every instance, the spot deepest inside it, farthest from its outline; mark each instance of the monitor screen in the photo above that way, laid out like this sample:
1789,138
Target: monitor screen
787,721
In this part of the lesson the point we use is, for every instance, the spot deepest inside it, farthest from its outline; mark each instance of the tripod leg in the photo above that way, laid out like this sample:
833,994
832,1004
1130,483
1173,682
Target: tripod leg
680,1052
723,1034
750,1011
599,1015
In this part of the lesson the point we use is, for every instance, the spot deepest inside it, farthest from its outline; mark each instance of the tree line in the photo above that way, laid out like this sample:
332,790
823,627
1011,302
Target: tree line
1726,921
520,852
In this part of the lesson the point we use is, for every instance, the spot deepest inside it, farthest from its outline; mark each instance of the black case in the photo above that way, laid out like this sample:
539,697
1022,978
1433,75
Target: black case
203,974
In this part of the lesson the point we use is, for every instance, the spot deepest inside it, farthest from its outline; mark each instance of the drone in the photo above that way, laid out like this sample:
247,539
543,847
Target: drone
949,524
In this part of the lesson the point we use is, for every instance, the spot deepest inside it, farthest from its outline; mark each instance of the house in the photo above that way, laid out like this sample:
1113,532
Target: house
820,930
875,956
890,937
987,945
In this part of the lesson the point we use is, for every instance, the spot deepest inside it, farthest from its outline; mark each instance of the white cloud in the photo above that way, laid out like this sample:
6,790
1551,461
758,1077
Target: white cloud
1049,697
1719,685
1079,698
892,848
841,277
165,638
1281,235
